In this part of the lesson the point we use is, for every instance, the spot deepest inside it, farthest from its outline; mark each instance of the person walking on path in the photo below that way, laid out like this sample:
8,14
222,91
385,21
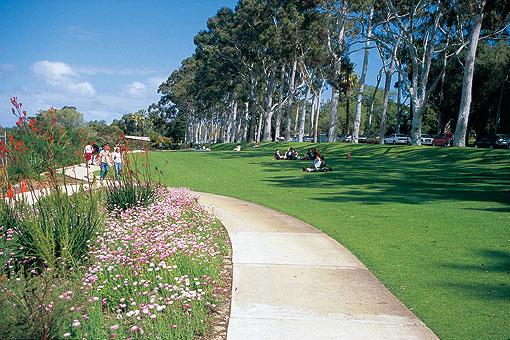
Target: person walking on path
117,162
105,159
95,153
88,150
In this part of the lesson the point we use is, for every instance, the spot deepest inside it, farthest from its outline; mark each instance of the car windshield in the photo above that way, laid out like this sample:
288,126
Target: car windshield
401,135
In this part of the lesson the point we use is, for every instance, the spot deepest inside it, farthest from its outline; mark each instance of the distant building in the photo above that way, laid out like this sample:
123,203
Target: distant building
140,138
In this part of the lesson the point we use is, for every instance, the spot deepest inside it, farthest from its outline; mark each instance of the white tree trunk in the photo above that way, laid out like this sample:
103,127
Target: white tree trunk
386,97
359,98
467,82
288,118
318,112
302,117
233,118
333,116
245,122
278,119
312,115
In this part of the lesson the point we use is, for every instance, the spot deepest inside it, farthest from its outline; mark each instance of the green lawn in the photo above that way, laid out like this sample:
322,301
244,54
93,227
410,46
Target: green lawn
433,224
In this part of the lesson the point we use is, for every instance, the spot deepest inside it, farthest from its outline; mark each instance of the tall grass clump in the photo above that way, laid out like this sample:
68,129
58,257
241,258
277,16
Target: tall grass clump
56,230
136,186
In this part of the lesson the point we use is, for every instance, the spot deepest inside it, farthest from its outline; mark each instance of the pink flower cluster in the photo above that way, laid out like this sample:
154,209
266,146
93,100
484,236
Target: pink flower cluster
149,260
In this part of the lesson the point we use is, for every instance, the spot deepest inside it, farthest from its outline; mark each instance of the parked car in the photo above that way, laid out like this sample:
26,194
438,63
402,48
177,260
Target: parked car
372,140
426,140
487,141
344,138
502,141
444,139
307,139
362,139
396,138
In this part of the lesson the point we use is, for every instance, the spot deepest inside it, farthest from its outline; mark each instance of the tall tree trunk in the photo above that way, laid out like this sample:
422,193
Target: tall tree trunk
467,82
278,119
386,97
347,112
359,97
232,124
318,112
333,116
372,104
246,122
312,115
259,127
399,94
269,119
302,116
288,118
268,107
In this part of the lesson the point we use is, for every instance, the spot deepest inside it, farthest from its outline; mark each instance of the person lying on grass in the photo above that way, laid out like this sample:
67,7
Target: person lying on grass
277,155
319,165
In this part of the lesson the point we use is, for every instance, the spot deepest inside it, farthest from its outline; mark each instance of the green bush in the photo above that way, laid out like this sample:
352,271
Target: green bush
53,232
136,186
127,194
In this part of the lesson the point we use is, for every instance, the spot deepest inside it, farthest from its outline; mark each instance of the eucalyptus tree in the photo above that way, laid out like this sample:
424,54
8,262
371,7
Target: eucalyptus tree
366,29
425,32
476,11
337,19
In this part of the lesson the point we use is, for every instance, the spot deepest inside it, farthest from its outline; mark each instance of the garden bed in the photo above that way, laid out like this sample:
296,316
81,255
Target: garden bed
160,271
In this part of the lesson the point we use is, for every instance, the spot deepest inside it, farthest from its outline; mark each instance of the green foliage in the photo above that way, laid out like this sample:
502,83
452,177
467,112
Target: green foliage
37,307
129,193
102,133
136,186
53,232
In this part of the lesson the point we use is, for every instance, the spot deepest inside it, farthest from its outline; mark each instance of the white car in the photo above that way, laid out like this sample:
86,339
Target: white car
396,138
426,140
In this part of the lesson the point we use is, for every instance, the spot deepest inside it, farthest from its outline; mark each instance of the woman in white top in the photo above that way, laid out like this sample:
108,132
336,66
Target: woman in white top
117,161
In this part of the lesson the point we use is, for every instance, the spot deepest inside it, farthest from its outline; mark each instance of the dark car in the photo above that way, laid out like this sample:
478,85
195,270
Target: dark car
485,141
502,141
444,139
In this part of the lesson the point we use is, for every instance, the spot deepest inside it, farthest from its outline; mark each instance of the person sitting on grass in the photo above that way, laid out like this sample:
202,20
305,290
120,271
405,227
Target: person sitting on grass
277,155
237,148
319,165
291,154
308,156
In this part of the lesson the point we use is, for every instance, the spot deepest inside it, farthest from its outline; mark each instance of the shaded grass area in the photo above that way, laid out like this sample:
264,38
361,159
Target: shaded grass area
433,224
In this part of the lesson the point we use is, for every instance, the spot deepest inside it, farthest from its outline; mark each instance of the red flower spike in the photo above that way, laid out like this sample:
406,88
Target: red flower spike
10,192
24,186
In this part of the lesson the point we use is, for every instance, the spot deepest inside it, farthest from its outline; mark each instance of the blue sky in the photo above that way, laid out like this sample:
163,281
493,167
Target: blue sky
107,58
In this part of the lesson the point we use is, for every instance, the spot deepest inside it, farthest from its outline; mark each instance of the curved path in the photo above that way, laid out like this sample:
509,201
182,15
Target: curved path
291,281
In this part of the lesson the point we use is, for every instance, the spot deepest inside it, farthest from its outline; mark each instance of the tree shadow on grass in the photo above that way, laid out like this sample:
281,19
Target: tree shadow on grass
374,183
493,261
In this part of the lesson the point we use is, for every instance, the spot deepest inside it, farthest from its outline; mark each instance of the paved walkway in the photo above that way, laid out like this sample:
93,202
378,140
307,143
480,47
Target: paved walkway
291,281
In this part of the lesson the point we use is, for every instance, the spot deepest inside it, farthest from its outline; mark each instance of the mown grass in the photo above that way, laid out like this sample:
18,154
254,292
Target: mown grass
433,224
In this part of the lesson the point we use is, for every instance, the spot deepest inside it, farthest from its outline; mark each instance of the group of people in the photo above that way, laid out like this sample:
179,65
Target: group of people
105,157
318,165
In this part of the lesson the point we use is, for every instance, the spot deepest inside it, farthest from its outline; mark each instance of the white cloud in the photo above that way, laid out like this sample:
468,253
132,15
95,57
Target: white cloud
136,88
63,76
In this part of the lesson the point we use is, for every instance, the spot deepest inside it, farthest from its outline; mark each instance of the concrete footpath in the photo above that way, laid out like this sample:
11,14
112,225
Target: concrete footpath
291,281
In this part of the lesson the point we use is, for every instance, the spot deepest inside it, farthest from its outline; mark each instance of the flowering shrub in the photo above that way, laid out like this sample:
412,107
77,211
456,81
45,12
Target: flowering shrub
41,144
54,232
136,185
